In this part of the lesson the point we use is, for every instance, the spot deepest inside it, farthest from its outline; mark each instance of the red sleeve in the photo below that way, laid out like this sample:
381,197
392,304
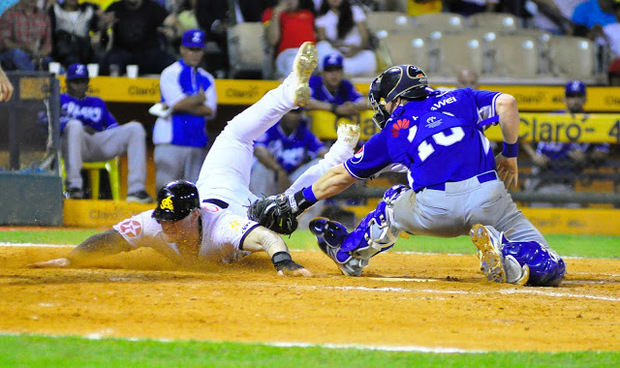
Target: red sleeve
6,27
267,15
47,37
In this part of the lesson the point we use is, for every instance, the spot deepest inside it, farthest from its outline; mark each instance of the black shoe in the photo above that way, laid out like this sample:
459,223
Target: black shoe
140,196
74,193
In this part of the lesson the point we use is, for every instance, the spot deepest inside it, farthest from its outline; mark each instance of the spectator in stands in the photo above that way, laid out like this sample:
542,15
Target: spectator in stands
467,79
287,26
591,16
612,31
25,37
6,88
136,38
89,132
554,15
331,92
215,17
283,153
559,164
614,73
180,136
186,18
341,28
71,24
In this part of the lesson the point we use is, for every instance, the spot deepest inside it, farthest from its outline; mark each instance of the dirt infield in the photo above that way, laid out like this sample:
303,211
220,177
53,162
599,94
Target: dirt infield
405,300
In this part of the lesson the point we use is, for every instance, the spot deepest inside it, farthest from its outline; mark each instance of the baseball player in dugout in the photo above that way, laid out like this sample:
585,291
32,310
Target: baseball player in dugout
89,132
180,133
558,165
331,92
456,185
210,221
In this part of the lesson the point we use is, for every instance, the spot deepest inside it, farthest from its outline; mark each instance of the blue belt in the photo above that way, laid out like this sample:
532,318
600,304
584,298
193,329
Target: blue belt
482,178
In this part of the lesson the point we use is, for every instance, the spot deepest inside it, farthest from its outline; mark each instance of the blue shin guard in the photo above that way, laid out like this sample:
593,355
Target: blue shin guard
375,233
546,268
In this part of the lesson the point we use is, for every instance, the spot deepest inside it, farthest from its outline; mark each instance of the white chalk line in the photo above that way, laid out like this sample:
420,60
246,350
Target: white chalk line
521,290
393,289
106,334
10,244
6,244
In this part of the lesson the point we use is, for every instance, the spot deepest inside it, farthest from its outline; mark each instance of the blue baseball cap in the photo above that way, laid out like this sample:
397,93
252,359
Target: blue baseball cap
77,71
575,88
332,61
194,38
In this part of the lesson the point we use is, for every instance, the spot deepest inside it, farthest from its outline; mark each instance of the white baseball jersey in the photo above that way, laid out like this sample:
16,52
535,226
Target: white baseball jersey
223,185
222,233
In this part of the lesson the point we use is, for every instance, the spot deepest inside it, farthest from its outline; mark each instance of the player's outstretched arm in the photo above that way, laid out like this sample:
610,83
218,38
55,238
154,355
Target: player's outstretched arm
263,239
279,213
506,162
103,244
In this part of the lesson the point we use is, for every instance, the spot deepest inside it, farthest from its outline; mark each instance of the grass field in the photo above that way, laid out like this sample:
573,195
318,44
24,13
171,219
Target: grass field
47,351
591,246
41,351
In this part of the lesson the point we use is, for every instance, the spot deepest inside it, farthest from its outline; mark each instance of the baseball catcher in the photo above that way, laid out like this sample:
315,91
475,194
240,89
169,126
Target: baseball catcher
456,184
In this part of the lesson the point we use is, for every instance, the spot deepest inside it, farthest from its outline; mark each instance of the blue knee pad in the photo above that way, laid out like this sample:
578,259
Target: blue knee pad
367,231
546,269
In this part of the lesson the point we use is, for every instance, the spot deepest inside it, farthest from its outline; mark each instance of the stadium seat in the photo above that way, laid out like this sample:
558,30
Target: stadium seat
514,56
456,52
390,21
407,48
445,22
572,57
543,39
112,167
499,21
246,48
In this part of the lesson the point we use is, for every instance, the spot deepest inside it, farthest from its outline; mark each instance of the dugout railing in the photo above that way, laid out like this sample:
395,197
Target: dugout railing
31,187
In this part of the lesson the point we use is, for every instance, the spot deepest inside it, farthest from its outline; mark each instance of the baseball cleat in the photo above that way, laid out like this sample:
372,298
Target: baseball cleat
349,134
330,235
488,253
303,66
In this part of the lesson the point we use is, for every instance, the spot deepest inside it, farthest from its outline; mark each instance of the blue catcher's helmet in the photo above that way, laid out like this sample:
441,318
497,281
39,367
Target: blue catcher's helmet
407,81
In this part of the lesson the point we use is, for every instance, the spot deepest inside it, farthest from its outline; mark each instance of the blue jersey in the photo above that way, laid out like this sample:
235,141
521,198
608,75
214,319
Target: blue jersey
345,92
293,150
437,139
177,82
91,111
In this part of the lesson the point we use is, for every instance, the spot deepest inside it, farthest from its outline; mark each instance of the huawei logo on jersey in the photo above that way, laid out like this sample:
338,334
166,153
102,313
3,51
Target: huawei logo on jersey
131,228
398,125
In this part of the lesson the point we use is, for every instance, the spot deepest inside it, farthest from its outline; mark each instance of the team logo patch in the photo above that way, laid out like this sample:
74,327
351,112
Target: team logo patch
398,125
432,122
131,228
358,156
235,225
211,207
166,203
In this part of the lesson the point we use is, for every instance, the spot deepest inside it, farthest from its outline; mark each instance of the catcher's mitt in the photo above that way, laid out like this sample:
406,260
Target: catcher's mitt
274,213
